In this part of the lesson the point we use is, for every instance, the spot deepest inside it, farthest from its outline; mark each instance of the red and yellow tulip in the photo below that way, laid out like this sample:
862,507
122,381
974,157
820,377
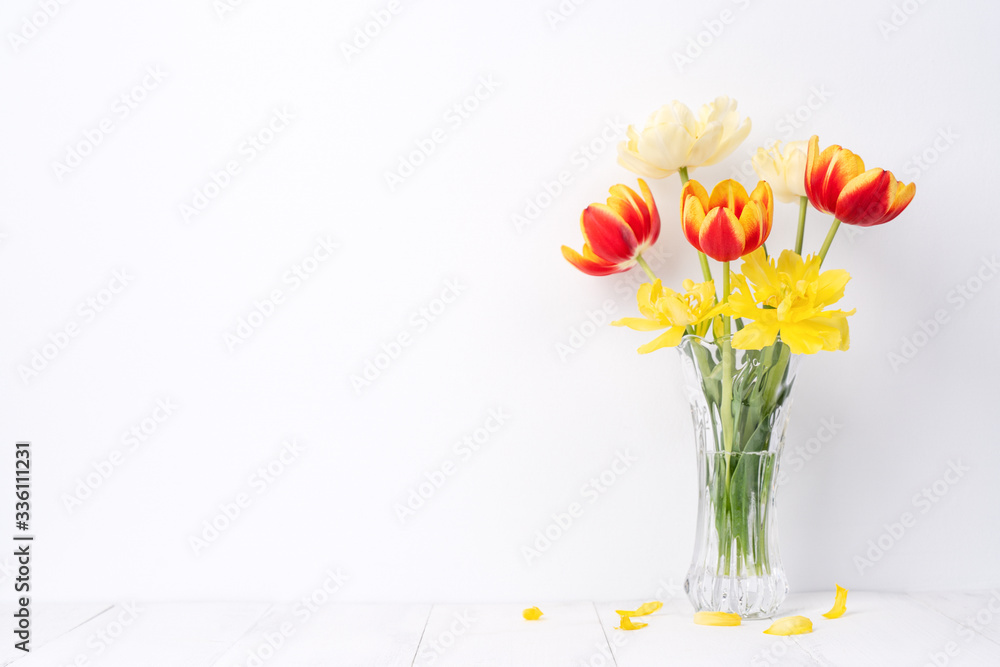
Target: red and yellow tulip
837,183
728,224
615,234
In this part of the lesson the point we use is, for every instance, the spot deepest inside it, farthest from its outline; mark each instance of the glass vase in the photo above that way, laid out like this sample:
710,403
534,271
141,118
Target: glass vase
739,433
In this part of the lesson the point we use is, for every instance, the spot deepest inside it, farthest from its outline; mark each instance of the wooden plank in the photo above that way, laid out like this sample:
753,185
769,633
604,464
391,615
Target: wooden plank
359,635
671,637
49,621
887,629
978,611
151,635
478,635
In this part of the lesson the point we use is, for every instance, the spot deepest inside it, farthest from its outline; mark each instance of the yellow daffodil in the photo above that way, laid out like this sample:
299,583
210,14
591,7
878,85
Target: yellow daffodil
790,625
789,297
643,610
717,618
532,614
627,624
663,308
839,604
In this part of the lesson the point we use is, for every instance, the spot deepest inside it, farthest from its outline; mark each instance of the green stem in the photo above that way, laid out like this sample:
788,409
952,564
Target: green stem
829,239
706,271
727,375
645,267
803,206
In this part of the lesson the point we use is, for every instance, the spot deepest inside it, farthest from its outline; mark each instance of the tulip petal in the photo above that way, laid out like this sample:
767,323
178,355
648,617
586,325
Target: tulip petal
592,267
607,234
721,236
763,195
719,618
630,214
654,214
643,610
705,145
904,195
630,159
827,173
866,199
752,221
694,205
730,194
627,624
670,338
790,625
667,146
729,144
532,614
839,604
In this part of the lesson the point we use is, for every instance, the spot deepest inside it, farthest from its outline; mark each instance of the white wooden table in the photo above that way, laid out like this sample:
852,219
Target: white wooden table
879,629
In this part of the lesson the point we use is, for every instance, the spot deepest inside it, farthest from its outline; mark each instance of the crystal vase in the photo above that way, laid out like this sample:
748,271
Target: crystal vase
739,433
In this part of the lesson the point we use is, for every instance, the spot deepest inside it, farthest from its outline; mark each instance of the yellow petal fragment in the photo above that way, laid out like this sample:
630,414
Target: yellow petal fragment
627,624
790,625
643,610
716,618
532,614
839,604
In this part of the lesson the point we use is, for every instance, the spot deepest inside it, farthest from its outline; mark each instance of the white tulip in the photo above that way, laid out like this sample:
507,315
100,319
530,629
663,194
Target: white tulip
674,138
784,169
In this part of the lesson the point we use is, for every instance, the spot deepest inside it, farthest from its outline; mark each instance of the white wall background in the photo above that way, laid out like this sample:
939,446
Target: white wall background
888,95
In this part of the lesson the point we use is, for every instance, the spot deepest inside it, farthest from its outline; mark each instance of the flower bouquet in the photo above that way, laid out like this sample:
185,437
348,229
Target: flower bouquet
740,344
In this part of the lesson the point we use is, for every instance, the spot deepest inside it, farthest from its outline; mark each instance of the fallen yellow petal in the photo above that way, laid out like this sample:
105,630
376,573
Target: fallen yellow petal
790,625
716,618
839,605
643,610
627,624
532,614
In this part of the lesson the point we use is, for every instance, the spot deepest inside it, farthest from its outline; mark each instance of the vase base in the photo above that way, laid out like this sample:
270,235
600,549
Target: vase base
749,596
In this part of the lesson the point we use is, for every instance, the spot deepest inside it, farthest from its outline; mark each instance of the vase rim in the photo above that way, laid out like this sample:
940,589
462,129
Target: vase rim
715,341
